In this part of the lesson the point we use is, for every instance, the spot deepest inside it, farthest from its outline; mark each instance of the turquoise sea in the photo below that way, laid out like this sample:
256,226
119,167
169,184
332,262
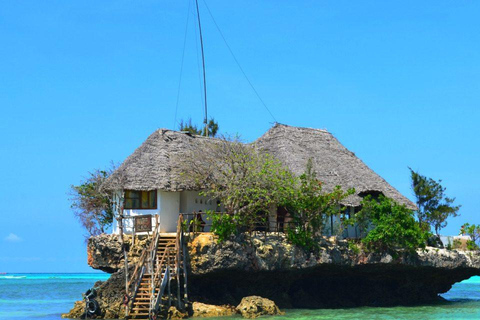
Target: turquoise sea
46,296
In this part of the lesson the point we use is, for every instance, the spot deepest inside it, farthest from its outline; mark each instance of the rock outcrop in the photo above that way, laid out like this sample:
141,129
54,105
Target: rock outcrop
110,298
203,310
104,252
334,276
174,314
337,275
254,307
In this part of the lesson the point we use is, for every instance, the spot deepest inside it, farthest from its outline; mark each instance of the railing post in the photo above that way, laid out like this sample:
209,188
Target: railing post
169,280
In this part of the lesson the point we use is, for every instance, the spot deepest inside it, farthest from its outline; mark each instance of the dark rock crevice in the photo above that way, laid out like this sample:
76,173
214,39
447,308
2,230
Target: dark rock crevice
329,286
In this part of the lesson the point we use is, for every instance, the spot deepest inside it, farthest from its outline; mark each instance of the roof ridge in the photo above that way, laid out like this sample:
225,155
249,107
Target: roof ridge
303,128
187,133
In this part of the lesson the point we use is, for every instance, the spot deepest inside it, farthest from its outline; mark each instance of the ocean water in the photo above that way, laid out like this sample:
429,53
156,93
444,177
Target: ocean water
47,296
42,295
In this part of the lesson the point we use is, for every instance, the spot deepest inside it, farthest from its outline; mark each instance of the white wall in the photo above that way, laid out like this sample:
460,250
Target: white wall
192,201
168,208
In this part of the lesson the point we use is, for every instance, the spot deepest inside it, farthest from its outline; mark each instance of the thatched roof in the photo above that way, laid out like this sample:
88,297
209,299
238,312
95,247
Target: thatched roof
154,165
334,164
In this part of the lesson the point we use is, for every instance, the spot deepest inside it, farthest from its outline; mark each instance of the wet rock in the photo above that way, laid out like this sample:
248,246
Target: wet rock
174,314
77,311
203,310
109,297
255,306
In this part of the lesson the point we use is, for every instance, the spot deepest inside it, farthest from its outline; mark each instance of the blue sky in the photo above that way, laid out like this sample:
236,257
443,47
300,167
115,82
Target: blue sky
83,83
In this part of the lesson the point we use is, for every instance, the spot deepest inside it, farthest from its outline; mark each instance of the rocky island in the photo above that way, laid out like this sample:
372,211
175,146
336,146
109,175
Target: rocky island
267,265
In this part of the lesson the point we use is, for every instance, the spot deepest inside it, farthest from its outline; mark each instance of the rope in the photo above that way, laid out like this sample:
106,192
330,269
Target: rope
238,63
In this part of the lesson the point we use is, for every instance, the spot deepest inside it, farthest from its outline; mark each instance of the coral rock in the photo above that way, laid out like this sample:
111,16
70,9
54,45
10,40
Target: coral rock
255,306
203,310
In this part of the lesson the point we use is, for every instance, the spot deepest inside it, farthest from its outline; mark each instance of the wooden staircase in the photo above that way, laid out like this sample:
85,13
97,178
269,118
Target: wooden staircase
160,263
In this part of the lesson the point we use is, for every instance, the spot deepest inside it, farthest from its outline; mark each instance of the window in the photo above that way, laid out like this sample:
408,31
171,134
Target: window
140,199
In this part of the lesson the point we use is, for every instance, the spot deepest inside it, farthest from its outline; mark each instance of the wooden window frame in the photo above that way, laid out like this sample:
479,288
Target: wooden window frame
140,207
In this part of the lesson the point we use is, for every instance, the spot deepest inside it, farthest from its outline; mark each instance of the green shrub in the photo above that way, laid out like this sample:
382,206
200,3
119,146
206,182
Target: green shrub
457,244
302,238
471,245
473,231
309,206
394,226
224,226
353,247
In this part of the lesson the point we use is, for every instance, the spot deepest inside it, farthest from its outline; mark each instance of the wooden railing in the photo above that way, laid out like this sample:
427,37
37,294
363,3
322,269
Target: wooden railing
135,279
194,224
181,263
160,279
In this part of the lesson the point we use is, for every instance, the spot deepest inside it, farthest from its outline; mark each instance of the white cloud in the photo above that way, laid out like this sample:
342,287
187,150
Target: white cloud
12,237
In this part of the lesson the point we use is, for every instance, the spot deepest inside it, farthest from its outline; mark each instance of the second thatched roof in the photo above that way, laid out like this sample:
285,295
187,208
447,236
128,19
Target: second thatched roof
334,164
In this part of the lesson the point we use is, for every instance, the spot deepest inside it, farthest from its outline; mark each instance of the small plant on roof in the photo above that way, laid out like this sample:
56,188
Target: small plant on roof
212,127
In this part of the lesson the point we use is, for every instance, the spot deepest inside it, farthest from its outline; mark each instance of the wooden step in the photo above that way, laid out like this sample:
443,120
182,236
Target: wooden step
143,315
145,294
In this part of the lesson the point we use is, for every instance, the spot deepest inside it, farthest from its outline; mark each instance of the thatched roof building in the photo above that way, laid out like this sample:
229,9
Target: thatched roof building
154,164
334,164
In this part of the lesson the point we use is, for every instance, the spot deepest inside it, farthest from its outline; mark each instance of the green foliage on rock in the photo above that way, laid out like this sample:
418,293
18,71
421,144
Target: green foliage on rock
473,231
246,182
309,207
353,247
393,226
223,225
92,205
434,207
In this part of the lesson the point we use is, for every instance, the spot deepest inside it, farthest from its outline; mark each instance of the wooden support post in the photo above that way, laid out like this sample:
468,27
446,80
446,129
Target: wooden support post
120,218
169,280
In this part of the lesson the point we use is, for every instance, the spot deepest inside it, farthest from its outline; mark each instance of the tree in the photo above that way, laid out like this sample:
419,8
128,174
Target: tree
309,206
92,205
188,126
473,231
434,207
246,181
393,225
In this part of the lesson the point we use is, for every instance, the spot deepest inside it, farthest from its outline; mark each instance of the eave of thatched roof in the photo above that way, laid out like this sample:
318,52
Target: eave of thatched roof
334,164
153,165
